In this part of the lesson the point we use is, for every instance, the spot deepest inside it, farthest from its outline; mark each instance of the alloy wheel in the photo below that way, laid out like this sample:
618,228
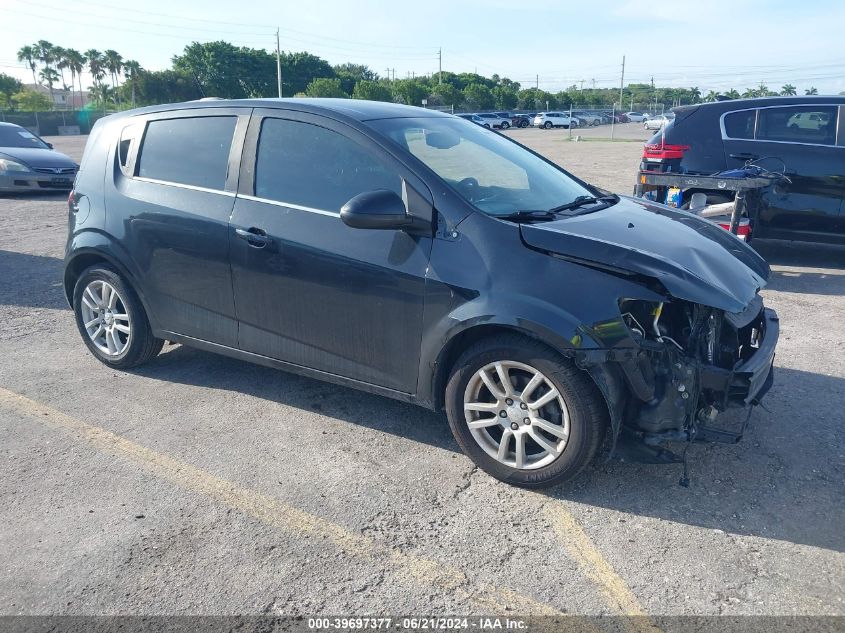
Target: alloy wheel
516,415
105,318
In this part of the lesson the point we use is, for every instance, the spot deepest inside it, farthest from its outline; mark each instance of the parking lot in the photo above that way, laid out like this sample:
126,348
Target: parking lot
204,485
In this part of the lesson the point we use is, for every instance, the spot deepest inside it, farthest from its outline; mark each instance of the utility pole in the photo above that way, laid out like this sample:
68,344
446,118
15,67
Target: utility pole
594,82
394,73
582,84
278,64
622,81
440,65
538,82
387,70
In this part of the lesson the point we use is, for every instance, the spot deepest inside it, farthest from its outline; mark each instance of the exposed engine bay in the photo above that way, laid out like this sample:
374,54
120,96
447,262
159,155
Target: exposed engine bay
693,363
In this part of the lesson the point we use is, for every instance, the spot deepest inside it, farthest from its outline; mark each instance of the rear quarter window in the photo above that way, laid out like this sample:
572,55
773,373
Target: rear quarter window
740,124
189,151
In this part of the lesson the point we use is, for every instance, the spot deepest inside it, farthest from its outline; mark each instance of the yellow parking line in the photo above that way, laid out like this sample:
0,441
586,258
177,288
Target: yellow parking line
583,551
276,513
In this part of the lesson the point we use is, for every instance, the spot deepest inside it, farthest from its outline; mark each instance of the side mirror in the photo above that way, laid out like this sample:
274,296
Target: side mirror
49,146
379,209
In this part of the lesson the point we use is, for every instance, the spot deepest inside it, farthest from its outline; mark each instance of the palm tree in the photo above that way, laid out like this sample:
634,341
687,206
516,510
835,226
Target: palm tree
75,63
749,93
102,94
695,94
788,90
811,91
49,76
28,54
61,63
95,65
132,68
711,95
732,94
114,64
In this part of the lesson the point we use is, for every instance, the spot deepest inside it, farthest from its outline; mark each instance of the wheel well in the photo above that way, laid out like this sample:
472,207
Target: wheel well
74,269
460,343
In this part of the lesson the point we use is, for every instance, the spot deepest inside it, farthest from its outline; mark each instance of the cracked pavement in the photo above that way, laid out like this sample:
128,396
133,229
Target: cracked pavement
263,492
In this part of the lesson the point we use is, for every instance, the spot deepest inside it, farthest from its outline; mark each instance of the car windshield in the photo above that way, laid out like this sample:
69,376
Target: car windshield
497,176
14,136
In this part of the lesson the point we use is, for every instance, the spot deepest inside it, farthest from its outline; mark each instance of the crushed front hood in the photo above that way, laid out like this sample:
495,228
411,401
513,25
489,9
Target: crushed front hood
694,259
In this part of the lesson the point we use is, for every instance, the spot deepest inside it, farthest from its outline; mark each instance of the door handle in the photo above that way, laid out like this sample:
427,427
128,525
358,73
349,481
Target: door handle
744,156
253,236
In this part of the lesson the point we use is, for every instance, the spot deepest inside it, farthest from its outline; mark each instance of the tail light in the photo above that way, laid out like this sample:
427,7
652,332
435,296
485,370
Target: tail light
662,151
743,231
71,201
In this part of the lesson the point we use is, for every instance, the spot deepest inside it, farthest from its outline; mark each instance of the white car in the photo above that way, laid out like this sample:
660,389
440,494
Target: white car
657,122
548,120
637,117
494,120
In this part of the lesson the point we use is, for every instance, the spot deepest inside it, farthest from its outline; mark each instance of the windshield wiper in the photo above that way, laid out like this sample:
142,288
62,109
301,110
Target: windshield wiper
528,216
583,201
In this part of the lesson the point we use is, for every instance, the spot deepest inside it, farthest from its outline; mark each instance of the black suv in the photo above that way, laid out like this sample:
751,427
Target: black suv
801,136
415,255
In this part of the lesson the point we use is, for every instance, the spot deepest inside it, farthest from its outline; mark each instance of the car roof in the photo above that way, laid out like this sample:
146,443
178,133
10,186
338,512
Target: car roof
7,124
758,102
357,109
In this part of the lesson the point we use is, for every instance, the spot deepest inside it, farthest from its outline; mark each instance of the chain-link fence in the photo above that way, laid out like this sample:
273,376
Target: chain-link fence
54,123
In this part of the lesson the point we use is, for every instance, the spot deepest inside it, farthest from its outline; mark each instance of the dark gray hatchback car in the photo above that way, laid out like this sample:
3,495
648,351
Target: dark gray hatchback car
415,255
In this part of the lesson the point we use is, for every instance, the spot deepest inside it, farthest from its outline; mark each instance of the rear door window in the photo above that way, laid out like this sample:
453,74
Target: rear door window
308,165
798,124
189,151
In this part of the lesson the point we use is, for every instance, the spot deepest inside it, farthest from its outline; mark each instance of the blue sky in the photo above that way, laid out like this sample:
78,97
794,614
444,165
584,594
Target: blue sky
712,44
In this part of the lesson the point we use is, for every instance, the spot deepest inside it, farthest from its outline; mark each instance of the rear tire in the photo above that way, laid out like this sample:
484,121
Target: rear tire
112,319
547,125
505,125
571,423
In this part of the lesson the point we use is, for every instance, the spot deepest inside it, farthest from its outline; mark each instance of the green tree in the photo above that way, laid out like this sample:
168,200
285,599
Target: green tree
505,97
350,74
9,86
788,90
28,54
811,91
711,95
76,63
445,94
479,97
299,70
409,91
132,68
224,70
372,91
325,87
30,101
95,65
49,76
164,86
732,94
114,64
46,54
535,99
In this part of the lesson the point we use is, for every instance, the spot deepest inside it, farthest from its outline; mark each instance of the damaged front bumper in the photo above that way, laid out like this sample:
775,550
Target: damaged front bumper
682,373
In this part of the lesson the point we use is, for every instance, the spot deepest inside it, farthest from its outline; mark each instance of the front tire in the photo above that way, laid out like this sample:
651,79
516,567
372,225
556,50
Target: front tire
505,125
112,319
523,413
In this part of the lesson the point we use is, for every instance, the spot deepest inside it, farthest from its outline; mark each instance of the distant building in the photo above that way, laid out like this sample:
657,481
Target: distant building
62,98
